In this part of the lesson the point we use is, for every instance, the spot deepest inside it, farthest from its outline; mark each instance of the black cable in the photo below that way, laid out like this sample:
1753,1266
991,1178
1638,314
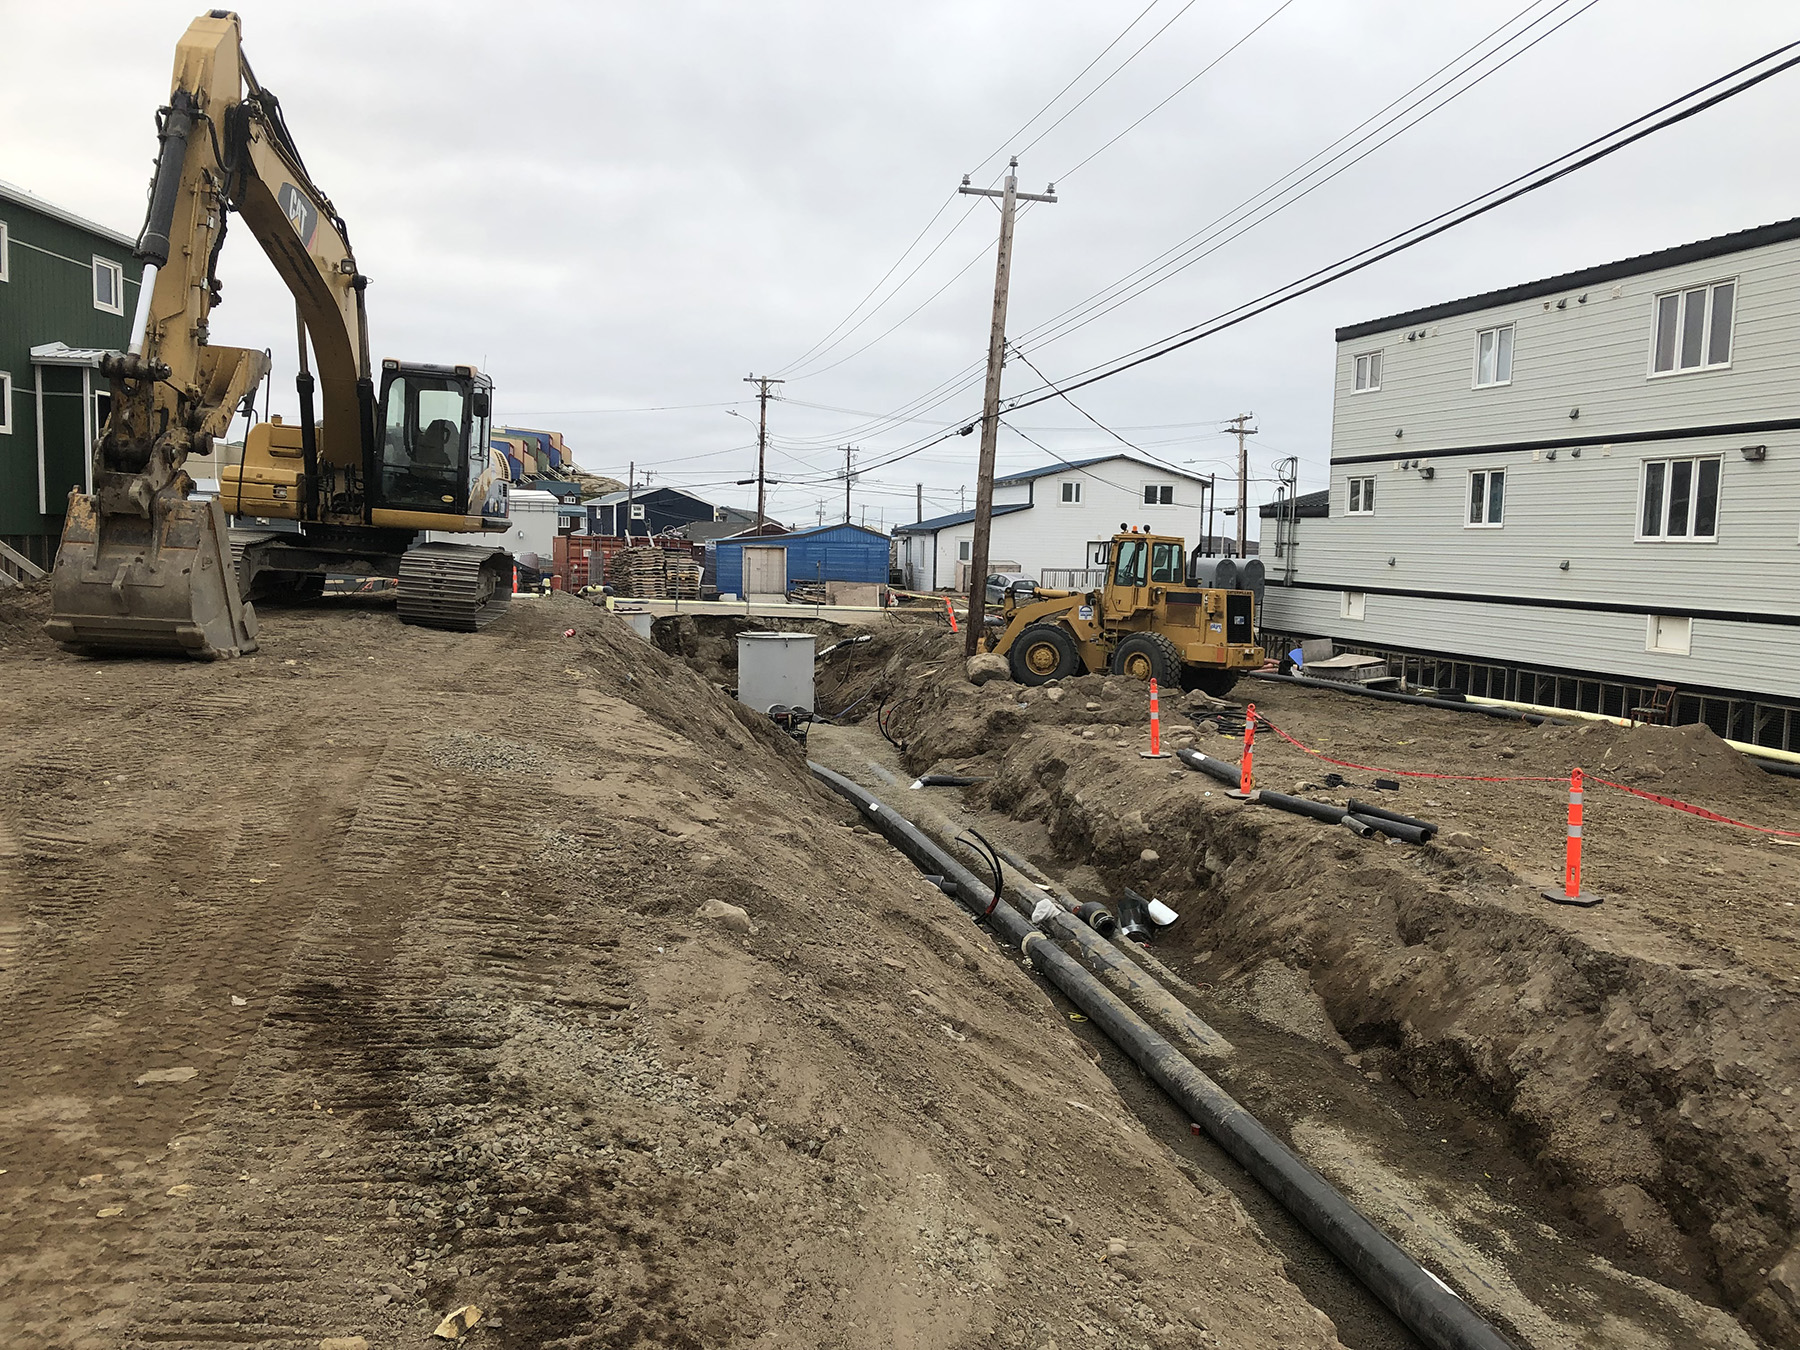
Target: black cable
1431,228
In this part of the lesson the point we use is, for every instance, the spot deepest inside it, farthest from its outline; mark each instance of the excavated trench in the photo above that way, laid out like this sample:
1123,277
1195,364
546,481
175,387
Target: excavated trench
1590,1138
1443,1172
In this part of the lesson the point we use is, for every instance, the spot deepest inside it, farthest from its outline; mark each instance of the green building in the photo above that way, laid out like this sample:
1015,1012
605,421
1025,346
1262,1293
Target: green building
68,289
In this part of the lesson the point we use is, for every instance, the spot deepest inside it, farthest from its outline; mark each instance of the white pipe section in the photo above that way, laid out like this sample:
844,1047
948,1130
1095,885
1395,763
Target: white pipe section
141,320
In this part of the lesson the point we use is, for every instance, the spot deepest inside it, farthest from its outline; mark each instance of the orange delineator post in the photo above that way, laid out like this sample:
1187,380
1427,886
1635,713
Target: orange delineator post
1156,750
1571,893
1245,776
951,613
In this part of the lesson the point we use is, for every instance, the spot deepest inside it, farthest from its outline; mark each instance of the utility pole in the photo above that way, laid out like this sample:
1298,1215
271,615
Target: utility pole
848,450
1239,430
990,401
762,383
630,498
918,503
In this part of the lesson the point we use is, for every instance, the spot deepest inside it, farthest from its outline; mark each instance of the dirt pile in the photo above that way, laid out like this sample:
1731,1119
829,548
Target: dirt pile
1645,1053
1669,760
23,609
451,1005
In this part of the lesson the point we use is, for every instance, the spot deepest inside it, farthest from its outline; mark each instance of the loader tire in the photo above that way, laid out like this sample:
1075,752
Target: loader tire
1214,680
1044,652
1148,656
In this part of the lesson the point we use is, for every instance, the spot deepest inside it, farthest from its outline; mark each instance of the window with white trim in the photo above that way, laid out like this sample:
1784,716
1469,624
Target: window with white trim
5,404
1493,356
1368,372
1679,499
1098,552
1672,633
1071,492
1693,329
1159,494
5,243
1487,499
962,549
1350,604
109,286
1360,498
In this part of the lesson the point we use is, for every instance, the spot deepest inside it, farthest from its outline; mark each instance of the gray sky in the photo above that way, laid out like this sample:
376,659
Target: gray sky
634,205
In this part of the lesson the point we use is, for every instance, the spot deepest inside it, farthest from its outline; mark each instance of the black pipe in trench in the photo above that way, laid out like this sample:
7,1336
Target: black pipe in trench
1417,1298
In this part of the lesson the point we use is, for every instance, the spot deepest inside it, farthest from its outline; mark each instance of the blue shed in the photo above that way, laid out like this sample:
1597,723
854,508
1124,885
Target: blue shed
829,553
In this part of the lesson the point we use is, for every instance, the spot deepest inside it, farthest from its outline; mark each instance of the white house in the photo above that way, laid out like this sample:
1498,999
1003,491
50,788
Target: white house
1050,522
1588,484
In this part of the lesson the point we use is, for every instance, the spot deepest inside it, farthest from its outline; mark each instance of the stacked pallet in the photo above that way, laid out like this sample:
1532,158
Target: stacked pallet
683,574
639,573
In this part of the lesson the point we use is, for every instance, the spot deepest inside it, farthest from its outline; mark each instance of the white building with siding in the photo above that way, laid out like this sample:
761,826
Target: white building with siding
1596,473
1051,520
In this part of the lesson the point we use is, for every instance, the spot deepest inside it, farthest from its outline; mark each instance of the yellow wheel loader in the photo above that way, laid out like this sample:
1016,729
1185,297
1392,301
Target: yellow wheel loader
142,567
1145,622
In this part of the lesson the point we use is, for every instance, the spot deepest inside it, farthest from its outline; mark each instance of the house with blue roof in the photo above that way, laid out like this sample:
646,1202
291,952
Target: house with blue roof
1053,522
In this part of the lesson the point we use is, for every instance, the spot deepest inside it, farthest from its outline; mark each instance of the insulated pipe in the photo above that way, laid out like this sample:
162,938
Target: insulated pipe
1388,695
1417,1298
1131,981
1206,764
1300,806
1357,825
1412,834
1382,813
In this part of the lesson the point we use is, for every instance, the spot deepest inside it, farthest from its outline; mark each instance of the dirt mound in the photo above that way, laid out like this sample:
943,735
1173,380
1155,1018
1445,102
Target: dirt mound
454,983
858,665
23,609
1679,761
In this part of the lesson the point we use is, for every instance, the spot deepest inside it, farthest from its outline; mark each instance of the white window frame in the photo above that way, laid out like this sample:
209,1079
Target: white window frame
965,549
1693,500
5,253
1487,477
636,511
1680,295
1165,494
118,276
1352,605
1099,552
1070,493
1359,495
1475,380
1670,634
6,398
1372,383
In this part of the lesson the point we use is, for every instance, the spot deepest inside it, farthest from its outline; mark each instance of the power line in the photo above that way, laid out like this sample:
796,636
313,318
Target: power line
1002,147
1270,18
1531,181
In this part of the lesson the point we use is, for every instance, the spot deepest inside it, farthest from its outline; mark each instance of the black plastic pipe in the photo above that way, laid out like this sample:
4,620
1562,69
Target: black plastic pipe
1388,695
1382,813
1433,1314
1300,806
1216,768
1394,829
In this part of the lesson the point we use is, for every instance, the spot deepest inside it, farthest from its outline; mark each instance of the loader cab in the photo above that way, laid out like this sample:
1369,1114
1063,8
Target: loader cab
432,452
1140,562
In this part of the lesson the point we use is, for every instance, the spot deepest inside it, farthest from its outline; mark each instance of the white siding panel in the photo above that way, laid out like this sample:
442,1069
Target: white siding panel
1757,658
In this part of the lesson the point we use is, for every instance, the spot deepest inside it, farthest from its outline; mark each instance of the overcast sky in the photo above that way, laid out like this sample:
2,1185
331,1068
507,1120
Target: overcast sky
624,206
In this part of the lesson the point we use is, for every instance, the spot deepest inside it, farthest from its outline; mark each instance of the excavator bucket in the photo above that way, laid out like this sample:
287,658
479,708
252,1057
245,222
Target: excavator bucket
162,583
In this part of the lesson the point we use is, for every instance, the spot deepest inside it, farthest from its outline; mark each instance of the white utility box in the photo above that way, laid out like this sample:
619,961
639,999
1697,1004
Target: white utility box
775,668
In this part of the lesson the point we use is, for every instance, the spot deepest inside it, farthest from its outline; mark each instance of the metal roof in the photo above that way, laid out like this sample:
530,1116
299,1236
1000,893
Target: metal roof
1718,246
1063,466
937,523
1307,506
61,354
13,193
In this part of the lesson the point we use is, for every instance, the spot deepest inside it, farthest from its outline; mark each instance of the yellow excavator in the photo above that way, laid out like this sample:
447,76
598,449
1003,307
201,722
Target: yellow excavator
145,567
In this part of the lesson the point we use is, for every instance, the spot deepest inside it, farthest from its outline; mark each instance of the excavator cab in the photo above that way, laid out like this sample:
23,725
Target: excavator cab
433,452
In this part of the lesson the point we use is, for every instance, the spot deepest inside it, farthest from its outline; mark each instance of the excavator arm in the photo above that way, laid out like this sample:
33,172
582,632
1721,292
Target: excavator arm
142,567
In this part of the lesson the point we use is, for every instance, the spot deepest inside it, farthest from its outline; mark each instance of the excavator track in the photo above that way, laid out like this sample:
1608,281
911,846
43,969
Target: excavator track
455,586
